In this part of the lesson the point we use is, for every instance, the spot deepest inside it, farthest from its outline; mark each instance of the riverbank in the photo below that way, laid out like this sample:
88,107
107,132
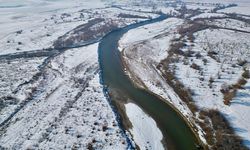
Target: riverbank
139,63
142,58
189,120
168,120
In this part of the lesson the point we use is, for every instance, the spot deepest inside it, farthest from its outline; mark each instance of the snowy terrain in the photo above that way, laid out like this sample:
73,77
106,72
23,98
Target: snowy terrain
208,15
50,90
51,98
242,8
143,53
39,30
231,47
145,131
32,31
14,73
66,106
210,60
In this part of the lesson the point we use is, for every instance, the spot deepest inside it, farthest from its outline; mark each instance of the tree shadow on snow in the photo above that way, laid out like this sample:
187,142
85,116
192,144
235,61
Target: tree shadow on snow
241,103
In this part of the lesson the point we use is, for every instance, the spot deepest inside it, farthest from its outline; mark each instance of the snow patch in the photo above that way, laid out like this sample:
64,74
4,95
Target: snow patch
144,131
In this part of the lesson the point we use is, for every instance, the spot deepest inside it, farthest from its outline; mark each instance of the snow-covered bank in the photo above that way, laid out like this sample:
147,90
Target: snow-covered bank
144,130
143,52
138,35
215,60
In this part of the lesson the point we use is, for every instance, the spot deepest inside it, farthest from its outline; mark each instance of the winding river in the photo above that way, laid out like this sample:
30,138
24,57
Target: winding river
177,133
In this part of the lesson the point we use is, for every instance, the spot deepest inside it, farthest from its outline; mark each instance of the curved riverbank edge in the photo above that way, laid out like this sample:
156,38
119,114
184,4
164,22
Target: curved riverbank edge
189,122
107,93
123,126
118,116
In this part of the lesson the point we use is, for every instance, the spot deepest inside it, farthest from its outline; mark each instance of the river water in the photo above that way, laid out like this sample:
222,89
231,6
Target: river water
177,134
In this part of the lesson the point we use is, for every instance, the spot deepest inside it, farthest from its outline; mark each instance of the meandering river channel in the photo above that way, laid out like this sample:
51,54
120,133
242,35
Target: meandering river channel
177,133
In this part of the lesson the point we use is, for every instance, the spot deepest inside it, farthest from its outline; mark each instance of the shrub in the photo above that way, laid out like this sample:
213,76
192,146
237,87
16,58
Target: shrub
189,53
228,96
90,146
240,83
204,61
246,74
198,55
229,92
211,80
195,66
224,133
201,79
225,88
241,62
213,54
104,128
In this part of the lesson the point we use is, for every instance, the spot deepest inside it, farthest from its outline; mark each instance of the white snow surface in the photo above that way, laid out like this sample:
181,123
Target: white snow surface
14,73
61,118
231,23
135,36
242,8
40,21
208,15
231,47
145,132
69,109
35,25
66,107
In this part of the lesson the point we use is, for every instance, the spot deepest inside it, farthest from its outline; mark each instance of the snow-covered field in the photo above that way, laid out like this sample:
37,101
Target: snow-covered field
242,8
14,73
26,31
64,111
49,20
208,15
231,48
231,24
